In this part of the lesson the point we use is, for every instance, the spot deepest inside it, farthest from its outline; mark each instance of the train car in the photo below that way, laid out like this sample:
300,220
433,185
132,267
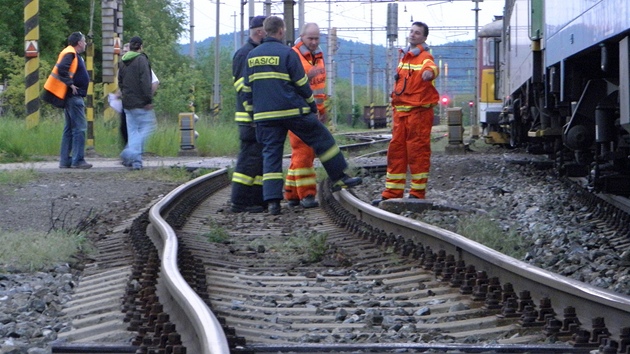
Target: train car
489,104
564,74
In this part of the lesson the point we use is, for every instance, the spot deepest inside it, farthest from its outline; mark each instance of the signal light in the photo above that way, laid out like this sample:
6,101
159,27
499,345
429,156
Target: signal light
445,101
471,103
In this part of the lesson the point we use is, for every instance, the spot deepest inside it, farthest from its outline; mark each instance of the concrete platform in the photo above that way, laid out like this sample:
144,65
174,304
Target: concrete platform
100,164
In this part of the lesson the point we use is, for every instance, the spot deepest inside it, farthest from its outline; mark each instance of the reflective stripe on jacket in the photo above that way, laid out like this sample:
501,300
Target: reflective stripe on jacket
239,67
276,86
57,83
410,91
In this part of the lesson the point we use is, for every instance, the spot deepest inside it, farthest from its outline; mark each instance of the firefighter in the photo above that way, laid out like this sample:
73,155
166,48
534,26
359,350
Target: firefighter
413,99
278,95
247,176
300,185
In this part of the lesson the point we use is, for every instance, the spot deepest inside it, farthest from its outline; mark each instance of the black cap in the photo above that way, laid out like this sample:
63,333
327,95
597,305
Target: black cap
257,21
135,39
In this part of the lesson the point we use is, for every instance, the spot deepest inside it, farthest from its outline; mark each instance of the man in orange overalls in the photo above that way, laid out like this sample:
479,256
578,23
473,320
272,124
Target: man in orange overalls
413,100
300,185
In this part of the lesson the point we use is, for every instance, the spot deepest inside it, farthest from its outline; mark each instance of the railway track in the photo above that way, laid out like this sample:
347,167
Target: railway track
384,283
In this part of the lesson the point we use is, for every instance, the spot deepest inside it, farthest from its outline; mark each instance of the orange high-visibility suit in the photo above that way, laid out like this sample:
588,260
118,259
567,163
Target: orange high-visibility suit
301,180
413,100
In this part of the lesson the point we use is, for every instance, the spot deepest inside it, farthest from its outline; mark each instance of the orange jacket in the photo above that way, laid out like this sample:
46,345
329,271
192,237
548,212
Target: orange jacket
410,91
318,82
55,83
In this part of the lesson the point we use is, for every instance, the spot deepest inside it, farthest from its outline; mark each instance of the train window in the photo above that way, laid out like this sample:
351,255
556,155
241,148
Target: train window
488,52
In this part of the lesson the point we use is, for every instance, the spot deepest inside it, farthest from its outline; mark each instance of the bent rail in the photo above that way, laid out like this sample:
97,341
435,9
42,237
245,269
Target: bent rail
201,331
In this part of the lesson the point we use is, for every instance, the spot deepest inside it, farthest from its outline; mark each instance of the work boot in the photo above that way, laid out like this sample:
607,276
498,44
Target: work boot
346,182
293,202
274,207
309,202
378,201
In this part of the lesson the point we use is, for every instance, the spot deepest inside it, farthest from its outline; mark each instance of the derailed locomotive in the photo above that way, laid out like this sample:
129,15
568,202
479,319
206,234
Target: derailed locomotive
562,73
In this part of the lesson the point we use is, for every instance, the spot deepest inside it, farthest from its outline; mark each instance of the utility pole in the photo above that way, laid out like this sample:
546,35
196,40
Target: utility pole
332,70
474,129
243,21
192,28
392,36
330,80
216,98
301,19
289,21
371,66
235,38
352,81
267,11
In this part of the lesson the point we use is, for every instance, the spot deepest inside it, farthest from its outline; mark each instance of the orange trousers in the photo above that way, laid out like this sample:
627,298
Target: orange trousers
301,180
409,149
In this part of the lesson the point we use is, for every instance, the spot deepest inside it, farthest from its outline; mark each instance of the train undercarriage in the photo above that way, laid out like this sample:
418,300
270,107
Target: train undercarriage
577,112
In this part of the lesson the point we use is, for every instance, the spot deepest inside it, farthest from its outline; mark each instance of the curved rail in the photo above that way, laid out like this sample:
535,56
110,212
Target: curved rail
565,292
207,336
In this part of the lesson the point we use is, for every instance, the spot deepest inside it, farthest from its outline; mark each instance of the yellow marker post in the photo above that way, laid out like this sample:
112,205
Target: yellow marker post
89,63
31,65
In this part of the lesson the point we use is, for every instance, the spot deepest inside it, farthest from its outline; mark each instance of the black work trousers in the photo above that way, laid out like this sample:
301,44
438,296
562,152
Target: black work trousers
247,176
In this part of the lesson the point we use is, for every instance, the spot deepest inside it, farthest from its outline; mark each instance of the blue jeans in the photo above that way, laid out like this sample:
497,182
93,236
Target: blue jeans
73,138
140,125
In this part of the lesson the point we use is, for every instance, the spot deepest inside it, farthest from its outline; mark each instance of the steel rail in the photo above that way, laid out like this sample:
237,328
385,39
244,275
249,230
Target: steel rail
592,302
201,331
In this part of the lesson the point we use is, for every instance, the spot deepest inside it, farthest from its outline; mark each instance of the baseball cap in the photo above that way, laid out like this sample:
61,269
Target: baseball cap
257,21
135,39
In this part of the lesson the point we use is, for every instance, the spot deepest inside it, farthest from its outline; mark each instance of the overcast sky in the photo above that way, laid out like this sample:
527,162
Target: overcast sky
346,15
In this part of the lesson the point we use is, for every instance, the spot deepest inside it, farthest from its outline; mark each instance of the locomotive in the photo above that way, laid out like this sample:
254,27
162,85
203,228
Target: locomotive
555,79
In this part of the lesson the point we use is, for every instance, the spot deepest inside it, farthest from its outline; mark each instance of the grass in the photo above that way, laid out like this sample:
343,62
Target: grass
309,247
485,230
216,234
165,174
19,144
18,177
28,251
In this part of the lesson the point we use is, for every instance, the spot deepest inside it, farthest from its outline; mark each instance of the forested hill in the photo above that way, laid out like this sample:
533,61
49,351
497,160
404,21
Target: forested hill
457,56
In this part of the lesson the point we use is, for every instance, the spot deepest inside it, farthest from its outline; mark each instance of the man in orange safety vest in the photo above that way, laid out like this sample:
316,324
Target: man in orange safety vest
300,185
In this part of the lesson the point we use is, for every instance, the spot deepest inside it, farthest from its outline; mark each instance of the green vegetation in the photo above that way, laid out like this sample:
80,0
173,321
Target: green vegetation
217,234
18,144
309,247
18,177
28,251
485,230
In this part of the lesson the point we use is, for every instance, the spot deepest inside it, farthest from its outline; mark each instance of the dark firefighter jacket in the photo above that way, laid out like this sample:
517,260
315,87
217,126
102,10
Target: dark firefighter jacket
238,75
277,80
